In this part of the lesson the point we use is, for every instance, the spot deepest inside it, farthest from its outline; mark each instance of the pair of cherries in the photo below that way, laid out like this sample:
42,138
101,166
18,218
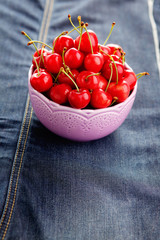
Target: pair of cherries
81,71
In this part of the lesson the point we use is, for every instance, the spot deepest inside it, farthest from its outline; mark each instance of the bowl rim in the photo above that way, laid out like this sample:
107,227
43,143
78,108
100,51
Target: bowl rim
54,104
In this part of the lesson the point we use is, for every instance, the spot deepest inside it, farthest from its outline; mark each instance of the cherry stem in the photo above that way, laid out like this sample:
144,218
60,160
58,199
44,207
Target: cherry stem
73,30
70,78
63,33
69,17
41,58
25,34
113,63
58,74
113,24
81,31
139,75
109,78
94,74
36,65
33,41
86,24
64,49
114,100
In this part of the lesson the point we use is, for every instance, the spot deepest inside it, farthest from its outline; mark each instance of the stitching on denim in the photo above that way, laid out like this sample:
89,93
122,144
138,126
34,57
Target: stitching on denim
22,131
155,32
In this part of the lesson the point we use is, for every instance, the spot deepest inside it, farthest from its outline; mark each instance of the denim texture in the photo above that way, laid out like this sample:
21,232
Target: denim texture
55,189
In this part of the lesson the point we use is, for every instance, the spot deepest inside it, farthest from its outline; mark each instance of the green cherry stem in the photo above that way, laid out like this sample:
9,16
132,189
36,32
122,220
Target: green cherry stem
63,33
113,63
36,41
94,74
70,78
25,34
36,65
85,27
110,65
81,31
69,17
139,75
64,49
114,100
113,24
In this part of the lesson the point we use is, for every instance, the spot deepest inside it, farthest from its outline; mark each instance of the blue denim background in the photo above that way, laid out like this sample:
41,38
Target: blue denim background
55,189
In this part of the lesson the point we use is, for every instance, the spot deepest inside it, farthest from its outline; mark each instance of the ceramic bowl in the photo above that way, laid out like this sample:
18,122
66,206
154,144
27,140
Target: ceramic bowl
79,124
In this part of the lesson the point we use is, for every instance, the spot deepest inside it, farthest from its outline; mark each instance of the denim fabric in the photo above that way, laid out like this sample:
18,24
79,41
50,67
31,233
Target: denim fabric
55,189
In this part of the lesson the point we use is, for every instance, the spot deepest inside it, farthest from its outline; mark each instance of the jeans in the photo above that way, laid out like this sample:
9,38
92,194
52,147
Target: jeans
55,189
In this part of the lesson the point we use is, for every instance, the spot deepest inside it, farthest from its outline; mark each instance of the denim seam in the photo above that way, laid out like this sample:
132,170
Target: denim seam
15,174
155,32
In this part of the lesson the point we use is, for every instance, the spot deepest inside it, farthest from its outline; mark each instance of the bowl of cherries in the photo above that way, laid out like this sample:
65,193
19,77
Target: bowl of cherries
80,89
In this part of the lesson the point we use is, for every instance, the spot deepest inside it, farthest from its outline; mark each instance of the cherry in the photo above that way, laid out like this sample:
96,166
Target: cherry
130,77
63,78
85,45
79,98
39,56
115,49
105,51
118,70
87,79
63,42
59,93
102,82
73,58
94,62
41,81
121,90
100,98
53,62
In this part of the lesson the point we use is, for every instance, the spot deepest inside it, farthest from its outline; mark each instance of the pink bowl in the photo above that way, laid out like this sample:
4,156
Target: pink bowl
79,124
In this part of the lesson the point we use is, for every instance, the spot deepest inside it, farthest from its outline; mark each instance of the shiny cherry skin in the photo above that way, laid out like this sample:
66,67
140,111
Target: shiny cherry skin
94,62
85,43
59,93
105,52
102,82
62,42
100,98
113,47
130,77
106,70
121,90
73,58
53,62
79,99
38,58
63,78
41,81
91,82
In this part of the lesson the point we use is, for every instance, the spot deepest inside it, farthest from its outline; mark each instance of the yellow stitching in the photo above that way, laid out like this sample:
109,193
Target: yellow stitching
44,17
15,164
15,190
48,20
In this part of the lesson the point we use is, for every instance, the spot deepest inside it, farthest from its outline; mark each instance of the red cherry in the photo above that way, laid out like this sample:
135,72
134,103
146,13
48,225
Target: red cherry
53,62
102,82
63,78
115,49
63,42
59,93
100,98
106,70
87,79
130,78
94,62
85,43
73,58
105,52
41,81
79,99
121,90
38,58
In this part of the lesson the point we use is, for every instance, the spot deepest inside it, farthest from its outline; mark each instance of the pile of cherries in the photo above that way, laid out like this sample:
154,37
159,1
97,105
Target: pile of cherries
80,72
